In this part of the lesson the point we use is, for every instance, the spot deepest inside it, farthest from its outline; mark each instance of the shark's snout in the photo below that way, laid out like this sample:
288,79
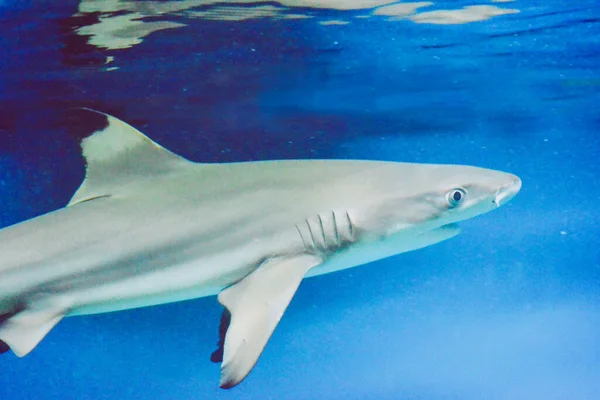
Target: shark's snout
508,191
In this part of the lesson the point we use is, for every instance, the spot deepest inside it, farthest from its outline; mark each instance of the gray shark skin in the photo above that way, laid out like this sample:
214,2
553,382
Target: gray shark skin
148,227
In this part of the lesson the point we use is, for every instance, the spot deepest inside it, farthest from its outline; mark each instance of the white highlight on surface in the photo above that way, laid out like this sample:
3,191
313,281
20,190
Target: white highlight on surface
233,13
461,16
296,16
334,22
401,9
122,31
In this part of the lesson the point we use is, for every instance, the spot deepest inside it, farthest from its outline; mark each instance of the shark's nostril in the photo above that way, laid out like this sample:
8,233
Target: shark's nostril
517,184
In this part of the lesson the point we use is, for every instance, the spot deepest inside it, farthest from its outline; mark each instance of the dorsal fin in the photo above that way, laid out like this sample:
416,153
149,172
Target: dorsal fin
115,154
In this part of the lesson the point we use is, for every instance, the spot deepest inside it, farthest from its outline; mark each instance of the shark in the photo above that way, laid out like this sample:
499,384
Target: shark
149,227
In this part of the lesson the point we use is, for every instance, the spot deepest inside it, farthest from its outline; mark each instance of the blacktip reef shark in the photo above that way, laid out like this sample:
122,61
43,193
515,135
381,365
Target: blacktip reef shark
149,227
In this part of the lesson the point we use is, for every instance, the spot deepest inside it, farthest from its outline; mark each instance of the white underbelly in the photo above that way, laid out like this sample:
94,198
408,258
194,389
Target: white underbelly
369,251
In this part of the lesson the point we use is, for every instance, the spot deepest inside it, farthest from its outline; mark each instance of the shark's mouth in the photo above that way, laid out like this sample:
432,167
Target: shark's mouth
443,232
453,225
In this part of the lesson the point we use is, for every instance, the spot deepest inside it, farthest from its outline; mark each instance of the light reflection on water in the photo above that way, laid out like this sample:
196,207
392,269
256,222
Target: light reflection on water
120,24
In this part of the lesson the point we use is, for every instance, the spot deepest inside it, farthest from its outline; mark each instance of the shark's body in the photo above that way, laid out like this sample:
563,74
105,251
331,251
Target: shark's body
148,227
181,239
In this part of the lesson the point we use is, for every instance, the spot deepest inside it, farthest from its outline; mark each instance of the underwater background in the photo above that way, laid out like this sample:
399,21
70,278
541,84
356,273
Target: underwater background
509,309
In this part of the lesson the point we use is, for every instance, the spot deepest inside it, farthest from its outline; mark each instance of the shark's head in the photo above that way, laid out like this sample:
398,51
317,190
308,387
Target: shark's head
398,207
420,199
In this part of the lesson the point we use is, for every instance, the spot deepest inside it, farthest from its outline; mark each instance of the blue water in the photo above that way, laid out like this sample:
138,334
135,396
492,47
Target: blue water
510,309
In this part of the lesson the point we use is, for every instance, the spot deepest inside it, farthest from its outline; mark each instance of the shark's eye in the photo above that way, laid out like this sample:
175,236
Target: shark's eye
455,197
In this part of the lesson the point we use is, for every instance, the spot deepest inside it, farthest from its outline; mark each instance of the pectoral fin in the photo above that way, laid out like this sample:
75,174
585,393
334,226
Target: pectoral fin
256,304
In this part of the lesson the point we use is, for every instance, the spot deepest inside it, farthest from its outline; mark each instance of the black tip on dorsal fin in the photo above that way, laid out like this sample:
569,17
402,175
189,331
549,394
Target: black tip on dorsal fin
81,123
217,355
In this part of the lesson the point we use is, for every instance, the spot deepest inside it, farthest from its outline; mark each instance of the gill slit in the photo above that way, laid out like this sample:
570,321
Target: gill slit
322,231
312,237
351,225
302,237
335,231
